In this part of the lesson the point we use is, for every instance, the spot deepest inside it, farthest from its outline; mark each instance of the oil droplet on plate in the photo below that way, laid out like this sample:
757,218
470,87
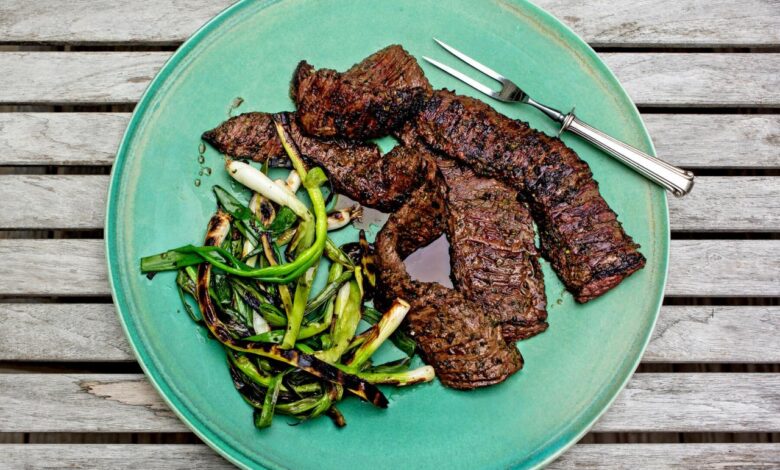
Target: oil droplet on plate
201,159
197,182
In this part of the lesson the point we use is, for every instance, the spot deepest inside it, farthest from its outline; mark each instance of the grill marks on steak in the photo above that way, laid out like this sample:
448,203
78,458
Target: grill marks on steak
492,251
580,234
369,100
455,335
356,169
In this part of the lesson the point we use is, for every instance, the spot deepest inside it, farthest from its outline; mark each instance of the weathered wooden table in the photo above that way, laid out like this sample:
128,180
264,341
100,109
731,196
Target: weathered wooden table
706,76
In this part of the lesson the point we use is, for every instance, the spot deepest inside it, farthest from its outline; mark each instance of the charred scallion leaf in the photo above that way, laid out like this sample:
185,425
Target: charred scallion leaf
264,417
285,218
347,316
168,261
399,338
330,290
379,333
337,255
231,205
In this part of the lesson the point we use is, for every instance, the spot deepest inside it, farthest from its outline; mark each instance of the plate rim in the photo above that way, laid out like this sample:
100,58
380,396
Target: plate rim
163,389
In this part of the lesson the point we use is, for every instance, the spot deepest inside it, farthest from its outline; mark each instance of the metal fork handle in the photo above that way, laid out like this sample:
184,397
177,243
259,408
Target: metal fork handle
676,180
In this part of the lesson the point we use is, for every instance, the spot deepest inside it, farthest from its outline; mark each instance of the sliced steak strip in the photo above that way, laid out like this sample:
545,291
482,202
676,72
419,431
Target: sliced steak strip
357,170
494,259
580,234
369,100
492,253
455,335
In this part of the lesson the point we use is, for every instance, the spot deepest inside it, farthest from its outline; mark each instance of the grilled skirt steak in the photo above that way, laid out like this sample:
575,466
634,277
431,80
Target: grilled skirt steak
455,335
492,252
580,234
369,100
356,169
494,259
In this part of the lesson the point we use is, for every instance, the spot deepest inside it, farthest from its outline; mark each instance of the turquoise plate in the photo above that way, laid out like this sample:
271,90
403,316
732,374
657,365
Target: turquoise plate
573,371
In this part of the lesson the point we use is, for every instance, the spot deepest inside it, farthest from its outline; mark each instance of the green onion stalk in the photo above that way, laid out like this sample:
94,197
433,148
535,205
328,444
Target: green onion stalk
283,273
218,229
265,415
400,379
295,317
348,312
378,333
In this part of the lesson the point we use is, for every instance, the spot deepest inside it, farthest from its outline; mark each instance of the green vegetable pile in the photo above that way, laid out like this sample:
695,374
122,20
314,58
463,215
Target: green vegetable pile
290,350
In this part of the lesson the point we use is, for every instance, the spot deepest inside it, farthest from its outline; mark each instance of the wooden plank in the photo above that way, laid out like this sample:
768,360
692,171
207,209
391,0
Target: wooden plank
53,201
707,268
581,456
728,204
699,80
668,456
716,140
652,79
650,403
53,267
60,138
724,268
689,140
670,23
105,21
77,333
685,23
717,204
91,332
77,77
715,334
695,403
114,456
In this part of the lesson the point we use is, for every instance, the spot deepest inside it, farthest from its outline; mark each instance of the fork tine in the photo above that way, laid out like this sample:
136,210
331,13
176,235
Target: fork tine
468,80
482,68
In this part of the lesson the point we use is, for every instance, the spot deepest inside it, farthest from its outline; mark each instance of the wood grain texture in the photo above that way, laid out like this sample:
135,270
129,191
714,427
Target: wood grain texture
717,204
83,403
688,140
105,21
113,456
717,268
91,332
53,201
650,403
76,77
699,80
60,138
670,23
724,268
715,334
669,457
652,79
715,140
602,22
581,456
728,204
78,333
53,267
